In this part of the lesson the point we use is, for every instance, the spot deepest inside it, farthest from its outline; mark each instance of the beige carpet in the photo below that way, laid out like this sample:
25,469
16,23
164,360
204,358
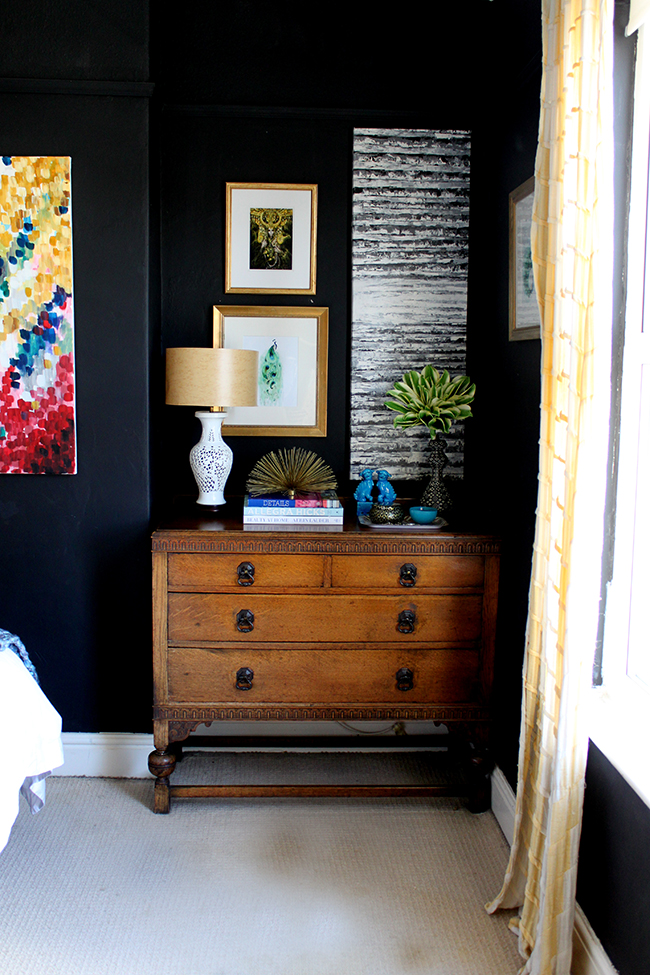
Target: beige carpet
96,884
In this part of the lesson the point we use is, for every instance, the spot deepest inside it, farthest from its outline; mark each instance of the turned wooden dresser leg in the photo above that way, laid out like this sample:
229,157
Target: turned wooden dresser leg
161,764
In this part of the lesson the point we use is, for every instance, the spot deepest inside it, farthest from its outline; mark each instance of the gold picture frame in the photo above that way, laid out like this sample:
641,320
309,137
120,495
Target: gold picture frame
524,321
271,238
293,344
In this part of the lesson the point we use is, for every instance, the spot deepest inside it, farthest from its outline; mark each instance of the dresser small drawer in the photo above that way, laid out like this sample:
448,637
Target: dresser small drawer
201,676
397,571
259,618
210,573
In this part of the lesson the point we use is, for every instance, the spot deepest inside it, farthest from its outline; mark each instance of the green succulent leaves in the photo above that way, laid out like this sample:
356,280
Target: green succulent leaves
435,399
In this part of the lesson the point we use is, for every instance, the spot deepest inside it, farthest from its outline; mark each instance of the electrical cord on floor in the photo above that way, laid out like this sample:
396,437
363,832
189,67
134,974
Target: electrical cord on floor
397,728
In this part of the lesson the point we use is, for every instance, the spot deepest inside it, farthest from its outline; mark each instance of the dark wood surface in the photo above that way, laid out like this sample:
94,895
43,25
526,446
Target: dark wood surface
323,625
187,517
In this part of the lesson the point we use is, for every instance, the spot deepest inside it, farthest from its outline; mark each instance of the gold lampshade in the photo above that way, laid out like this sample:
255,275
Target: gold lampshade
211,377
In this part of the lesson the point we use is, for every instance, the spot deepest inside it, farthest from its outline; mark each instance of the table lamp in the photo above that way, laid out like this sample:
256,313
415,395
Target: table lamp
214,378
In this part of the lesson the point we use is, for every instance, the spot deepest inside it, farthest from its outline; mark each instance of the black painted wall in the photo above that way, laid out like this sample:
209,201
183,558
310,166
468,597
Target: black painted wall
614,867
502,439
74,571
248,91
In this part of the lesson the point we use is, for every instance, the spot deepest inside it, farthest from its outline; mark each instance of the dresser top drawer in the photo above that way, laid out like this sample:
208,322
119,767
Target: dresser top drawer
399,572
211,573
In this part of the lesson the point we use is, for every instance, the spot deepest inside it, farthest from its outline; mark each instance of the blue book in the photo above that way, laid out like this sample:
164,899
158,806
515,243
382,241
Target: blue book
327,499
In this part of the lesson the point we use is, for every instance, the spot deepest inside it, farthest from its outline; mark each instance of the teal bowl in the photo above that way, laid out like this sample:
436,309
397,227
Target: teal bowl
422,515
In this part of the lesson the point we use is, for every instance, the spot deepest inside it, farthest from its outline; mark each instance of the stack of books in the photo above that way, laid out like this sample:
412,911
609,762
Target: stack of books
322,510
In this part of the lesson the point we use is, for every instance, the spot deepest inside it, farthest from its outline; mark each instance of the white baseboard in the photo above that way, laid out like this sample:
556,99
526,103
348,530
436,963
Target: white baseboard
503,804
589,956
124,756
108,755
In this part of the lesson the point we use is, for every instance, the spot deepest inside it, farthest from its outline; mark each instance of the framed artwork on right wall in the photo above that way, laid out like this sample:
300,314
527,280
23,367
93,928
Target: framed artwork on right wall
524,321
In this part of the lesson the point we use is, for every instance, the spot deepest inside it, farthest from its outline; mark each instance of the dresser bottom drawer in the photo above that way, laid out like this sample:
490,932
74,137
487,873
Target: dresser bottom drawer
204,676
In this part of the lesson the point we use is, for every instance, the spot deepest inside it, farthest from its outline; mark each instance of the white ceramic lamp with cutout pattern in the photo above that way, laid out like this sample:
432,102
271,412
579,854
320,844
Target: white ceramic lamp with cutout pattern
215,378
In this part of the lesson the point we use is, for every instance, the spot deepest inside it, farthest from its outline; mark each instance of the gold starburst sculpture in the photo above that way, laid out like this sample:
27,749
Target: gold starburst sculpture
290,472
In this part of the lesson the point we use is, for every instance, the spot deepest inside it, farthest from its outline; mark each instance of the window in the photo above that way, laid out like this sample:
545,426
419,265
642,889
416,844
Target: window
620,722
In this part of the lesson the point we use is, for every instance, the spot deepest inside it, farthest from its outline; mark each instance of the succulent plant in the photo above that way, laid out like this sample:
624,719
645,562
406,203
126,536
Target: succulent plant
432,398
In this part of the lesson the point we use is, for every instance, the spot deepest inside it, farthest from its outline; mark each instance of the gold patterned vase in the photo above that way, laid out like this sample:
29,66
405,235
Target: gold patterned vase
436,494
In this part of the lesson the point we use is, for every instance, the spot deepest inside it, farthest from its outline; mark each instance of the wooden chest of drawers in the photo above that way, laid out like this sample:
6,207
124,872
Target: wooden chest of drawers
348,624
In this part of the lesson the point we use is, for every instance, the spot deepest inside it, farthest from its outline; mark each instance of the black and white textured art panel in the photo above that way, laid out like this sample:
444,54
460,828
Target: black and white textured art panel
410,224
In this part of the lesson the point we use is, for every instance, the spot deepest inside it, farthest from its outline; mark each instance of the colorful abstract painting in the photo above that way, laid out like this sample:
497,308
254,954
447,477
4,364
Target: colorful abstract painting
37,399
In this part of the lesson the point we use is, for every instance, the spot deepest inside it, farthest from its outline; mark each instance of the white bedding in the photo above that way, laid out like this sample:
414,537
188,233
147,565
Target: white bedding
31,739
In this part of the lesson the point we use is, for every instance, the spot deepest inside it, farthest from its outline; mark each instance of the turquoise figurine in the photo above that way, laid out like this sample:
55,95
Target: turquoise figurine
386,491
363,493
364,489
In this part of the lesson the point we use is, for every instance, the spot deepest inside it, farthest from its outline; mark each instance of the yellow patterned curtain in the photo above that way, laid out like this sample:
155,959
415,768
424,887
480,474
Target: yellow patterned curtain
572,256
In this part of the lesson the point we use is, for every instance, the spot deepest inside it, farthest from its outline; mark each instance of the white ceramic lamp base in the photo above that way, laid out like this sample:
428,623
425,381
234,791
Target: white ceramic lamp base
211,459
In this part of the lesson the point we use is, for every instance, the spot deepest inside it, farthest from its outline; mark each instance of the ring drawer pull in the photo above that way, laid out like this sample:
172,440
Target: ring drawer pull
244,680
406,621
407,574
245,574
245,621
404,678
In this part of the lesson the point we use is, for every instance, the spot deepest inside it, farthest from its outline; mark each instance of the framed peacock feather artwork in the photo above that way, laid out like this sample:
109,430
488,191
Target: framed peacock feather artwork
292,378
271,238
